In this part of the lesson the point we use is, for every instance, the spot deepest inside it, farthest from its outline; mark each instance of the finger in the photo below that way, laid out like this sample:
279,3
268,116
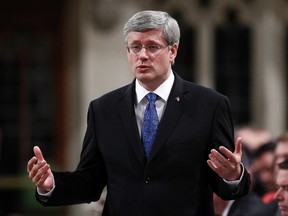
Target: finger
217,156
38,153
216,168
36,169
42,179
210,163
41,172
226,152
232,158
238,146
31,163
229,154
216,163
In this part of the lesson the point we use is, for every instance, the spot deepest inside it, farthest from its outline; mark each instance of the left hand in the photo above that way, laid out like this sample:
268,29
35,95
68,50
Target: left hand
228,166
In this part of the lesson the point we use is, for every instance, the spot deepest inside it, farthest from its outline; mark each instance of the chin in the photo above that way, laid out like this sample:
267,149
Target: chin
144,77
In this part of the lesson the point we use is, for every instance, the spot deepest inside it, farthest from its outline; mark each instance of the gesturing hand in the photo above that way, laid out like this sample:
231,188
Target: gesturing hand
228,166
39,171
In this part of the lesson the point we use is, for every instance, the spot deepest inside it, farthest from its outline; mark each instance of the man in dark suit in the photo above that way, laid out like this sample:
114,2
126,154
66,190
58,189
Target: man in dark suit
191,154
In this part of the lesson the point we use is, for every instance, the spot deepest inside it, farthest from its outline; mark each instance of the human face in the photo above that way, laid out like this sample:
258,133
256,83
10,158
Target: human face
281,152
263,167
282,193
151,70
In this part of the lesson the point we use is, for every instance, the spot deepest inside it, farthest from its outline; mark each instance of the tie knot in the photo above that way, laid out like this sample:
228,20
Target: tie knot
151,97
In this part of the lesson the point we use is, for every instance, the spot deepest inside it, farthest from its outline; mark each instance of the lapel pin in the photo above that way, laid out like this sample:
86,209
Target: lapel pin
177,99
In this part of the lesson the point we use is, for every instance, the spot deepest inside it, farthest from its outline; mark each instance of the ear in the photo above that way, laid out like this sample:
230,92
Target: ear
173,52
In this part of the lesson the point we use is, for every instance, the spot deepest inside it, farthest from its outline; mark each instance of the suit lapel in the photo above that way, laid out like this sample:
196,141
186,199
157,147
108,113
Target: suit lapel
127,113
173,112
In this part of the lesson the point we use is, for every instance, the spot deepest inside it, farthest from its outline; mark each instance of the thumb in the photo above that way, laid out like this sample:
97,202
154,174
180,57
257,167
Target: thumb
238,146
38,153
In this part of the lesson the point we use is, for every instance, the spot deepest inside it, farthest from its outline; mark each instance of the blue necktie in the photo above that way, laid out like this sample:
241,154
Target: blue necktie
150,124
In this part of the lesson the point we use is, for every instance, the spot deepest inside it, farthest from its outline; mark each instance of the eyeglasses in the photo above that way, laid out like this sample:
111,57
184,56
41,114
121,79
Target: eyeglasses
152,49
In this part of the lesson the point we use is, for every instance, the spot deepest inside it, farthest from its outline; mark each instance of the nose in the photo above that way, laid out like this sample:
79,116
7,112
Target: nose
143,54
278,195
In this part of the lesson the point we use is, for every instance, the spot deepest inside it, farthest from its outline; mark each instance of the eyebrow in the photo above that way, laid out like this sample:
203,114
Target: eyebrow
146,42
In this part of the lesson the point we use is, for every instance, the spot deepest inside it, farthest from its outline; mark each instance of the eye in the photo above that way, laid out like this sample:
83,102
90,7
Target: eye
153,48
136,48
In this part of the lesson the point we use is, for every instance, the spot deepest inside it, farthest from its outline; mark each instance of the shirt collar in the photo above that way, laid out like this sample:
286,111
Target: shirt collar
162,91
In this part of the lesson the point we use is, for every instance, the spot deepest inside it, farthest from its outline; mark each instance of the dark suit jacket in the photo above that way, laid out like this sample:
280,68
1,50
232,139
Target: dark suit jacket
176,180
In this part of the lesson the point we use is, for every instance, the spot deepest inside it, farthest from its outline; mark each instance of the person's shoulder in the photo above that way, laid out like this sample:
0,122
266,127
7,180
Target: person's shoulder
113,95
202,91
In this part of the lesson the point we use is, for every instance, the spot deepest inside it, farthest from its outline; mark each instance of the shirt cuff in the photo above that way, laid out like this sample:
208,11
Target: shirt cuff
235,183
44,193
47,194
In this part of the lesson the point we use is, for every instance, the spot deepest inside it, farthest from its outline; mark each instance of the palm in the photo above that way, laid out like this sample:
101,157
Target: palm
227,164
48,183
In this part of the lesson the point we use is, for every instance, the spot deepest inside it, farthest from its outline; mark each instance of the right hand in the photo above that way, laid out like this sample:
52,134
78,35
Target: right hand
39,172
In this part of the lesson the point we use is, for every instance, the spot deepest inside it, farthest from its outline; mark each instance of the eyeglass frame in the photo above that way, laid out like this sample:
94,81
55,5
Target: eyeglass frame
146,47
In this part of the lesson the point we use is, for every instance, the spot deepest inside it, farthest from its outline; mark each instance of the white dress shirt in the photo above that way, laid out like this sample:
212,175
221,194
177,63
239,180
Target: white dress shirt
227,209
163,92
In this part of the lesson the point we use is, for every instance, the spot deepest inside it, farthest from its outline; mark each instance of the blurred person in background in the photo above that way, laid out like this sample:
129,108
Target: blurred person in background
281,149
280,154
282,193
262,170
249,205
253,137
267,165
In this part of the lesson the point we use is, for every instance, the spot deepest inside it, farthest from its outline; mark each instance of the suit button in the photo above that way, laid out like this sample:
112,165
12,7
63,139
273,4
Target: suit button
147,180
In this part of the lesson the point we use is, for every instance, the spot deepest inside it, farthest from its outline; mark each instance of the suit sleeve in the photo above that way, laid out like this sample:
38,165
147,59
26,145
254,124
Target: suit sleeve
86,183
222,134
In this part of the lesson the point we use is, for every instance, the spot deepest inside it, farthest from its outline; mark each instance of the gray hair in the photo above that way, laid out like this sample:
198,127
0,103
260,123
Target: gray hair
147,20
